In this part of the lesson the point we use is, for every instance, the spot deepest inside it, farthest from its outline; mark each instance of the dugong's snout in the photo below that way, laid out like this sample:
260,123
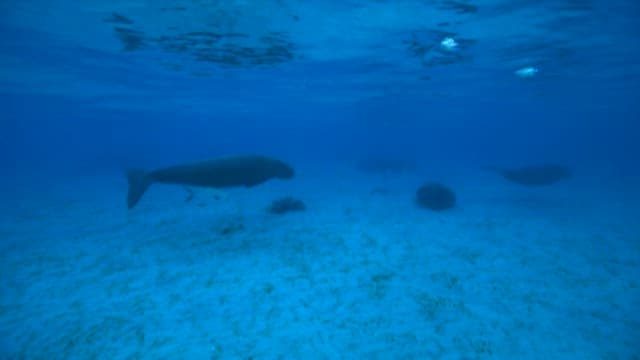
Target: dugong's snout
285,171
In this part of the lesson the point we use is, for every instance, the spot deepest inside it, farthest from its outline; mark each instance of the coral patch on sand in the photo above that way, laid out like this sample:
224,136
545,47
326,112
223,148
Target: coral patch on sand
435,197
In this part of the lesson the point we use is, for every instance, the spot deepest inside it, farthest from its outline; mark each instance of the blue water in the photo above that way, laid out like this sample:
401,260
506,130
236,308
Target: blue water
367,101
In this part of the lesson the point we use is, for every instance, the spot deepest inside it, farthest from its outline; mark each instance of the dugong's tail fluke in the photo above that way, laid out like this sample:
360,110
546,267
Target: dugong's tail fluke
139,182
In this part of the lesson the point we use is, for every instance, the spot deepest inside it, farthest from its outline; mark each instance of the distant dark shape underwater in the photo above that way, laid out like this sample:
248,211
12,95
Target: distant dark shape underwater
234,171
539,175
385,165
436,197
286,205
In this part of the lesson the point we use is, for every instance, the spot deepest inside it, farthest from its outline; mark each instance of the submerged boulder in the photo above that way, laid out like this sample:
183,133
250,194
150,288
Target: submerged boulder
285,205
435,197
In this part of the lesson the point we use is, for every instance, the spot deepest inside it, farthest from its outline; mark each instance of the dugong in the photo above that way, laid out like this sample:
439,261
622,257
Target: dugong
233,171
539,175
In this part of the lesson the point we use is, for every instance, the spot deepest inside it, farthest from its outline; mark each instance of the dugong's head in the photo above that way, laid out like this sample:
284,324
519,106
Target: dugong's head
565,173
285,171
282,170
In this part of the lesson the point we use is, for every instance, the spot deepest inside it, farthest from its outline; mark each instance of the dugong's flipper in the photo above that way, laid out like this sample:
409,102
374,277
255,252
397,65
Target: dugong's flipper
139,182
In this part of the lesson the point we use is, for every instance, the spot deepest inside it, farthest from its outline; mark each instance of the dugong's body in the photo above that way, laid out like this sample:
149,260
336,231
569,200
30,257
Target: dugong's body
218,173
539,175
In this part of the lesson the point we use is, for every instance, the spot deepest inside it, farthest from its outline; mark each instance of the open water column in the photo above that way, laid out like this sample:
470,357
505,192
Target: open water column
283,179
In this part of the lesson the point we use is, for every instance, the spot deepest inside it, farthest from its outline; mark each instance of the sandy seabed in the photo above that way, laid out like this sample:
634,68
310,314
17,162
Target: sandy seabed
511,273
